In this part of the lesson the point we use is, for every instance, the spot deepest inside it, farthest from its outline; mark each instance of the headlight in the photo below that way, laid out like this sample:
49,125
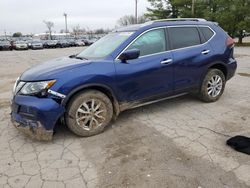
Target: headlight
15,85
37,88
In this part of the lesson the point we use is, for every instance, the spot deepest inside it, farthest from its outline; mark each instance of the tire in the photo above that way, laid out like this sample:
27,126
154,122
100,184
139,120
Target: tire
212,86
88,120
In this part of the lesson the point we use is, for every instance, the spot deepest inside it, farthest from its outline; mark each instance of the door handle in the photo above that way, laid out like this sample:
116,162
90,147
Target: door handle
167,61
205,52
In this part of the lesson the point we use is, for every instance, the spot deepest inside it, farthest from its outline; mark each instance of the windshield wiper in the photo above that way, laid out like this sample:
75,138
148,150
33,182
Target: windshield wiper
82,58
77,57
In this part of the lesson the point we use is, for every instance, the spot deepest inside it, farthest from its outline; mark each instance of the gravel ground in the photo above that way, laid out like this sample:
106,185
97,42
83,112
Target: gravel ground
176,143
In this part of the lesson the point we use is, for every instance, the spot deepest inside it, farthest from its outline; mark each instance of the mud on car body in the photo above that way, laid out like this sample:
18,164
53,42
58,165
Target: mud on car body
129,67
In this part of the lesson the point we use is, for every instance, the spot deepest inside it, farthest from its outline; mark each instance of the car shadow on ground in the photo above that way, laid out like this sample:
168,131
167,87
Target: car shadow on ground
62,130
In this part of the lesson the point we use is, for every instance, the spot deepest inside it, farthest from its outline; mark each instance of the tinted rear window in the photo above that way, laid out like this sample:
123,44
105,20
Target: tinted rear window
182,37
207,32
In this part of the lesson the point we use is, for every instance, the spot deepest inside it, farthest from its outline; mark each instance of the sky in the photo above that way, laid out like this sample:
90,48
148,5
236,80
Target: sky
27,16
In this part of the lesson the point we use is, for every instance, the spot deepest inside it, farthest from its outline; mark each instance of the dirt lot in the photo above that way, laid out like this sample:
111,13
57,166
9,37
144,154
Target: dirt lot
168,144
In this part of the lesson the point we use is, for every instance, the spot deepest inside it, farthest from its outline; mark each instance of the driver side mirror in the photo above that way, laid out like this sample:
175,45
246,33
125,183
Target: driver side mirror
129,55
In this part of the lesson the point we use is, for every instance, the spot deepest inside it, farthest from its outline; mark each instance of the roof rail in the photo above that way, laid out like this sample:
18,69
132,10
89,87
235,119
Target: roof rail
181,19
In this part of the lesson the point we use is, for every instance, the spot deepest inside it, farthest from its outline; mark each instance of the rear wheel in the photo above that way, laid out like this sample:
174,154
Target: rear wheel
213,86
89,113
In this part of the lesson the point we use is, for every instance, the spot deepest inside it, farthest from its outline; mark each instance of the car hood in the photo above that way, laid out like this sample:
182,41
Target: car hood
22,44
36,43
50,69
51,43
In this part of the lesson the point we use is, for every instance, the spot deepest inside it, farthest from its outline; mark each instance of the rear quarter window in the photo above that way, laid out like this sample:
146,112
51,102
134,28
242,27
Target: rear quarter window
207,33
182,37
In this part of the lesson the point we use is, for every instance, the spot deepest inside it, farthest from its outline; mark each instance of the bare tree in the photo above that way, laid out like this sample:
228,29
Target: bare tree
76,30
130,19
49,25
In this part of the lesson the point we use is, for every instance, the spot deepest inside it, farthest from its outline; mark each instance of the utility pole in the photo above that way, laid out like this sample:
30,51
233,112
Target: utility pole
5,35
136,11
66,23
193,4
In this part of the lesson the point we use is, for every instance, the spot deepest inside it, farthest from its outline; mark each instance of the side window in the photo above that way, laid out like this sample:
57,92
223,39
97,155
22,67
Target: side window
182,37
207,32
150,43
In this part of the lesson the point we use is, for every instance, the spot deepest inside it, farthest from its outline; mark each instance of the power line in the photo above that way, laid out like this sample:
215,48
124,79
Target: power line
5,34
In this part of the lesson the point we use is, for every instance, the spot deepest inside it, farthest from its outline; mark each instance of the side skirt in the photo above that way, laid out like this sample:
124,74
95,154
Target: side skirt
136,104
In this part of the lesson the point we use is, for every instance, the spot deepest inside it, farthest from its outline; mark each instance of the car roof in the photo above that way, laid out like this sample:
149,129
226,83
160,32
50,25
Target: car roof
164,22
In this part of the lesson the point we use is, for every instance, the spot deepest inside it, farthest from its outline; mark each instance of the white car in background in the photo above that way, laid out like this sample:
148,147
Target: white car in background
36,45
79,43
20,45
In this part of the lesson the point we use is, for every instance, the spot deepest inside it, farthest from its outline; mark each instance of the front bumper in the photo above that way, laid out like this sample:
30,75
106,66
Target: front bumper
22,48
36,117
37,47
5,47
37,132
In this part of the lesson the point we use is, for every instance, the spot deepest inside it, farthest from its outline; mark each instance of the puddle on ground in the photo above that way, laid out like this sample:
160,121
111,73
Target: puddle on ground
244,74
241,55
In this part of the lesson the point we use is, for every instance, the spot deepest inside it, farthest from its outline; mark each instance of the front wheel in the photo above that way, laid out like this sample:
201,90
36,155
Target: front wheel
213,86
88,113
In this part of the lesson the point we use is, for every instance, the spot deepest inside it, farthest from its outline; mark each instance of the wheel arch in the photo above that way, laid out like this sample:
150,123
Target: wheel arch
215,65
99,87
220,66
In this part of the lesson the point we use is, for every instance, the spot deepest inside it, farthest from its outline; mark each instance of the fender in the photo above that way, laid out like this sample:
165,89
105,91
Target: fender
211,65
108,92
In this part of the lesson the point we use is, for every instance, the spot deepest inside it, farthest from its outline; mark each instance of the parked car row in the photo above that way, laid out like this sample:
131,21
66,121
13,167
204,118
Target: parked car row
41,44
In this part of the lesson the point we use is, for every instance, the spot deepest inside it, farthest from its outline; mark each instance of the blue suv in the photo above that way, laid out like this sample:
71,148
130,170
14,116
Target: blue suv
129,67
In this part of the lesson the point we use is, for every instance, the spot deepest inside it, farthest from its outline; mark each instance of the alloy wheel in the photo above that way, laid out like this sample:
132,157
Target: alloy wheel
215,86
91,114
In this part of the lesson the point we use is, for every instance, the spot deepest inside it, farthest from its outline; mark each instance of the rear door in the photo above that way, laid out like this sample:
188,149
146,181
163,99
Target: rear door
191,53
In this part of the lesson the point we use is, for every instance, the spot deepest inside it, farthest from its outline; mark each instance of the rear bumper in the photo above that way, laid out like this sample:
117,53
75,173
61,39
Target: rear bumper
36,117
231,69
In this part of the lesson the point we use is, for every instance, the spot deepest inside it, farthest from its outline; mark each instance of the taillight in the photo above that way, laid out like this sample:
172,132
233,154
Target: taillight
230,42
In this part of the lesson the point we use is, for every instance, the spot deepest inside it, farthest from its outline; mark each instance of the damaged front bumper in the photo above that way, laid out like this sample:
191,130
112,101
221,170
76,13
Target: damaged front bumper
35,117
37,133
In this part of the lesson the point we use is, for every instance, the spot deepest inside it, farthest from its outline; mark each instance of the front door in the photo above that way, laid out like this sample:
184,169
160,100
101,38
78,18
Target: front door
150,75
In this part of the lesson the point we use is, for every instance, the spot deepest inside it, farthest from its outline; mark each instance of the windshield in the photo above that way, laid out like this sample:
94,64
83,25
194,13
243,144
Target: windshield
105,45
4,42
20,42
36,41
